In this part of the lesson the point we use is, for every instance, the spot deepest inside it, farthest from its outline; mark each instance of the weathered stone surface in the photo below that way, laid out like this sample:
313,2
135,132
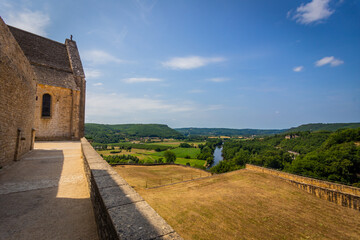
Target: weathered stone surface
58,72
340,194
17,97
75,60
138,221
119,195
64,118
120,212
107,180
43,199
54,77
42,51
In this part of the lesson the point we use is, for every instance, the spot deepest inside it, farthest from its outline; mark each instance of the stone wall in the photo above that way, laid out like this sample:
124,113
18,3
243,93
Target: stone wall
120,212
64,120
17,98
59,72
340,194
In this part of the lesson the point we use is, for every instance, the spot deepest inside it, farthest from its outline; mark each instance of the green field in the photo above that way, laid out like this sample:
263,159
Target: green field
182,152
150,156
175,143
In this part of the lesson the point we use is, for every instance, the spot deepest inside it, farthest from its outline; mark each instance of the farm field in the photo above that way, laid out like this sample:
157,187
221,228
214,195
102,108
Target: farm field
175,143
243,205
183,155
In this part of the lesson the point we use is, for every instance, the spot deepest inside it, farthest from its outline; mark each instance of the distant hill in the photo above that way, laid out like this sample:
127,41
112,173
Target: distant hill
323,127
227,131
104,133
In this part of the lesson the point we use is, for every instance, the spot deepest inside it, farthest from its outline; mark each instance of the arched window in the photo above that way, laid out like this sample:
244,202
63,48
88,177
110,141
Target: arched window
46,105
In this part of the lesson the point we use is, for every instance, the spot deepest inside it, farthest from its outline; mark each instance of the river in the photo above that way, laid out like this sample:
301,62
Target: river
217,156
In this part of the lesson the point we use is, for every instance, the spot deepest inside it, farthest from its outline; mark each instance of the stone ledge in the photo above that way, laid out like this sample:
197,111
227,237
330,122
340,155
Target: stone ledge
331,192
120,212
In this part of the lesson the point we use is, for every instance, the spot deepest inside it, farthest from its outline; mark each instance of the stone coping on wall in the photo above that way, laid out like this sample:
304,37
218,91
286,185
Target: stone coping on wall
120,212
331,192
319,183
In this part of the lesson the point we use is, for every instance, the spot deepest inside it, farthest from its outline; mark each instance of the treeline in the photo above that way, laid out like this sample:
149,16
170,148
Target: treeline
227,131
324,127
104,133
323,155
112,159
127,146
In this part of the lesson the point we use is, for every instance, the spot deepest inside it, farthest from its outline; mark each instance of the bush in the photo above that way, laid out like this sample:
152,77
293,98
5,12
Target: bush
185,145
187,157
115,151
170,156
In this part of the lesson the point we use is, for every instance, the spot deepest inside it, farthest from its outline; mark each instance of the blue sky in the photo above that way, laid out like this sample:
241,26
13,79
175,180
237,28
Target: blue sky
235,64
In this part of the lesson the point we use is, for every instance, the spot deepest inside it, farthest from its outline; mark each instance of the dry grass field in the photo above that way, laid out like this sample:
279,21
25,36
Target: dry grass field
137,176
244,205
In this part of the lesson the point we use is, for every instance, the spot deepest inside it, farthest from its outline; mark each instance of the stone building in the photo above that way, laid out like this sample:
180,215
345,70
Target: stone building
42,91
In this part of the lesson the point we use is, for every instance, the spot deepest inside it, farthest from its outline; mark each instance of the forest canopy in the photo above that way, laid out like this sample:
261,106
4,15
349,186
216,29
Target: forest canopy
333,156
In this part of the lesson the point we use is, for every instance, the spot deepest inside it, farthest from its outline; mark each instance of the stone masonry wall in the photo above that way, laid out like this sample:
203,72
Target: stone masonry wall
17,98
64,121
340,194
120,212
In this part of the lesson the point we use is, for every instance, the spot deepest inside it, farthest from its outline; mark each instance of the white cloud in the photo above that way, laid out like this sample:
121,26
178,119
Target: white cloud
298,68
97,84
141,80
218,79
329,60
114,104
312,12
91,73
100,57
125,108
191,62
23,18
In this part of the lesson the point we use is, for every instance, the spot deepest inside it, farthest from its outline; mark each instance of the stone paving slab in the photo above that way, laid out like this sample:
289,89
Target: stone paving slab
45,195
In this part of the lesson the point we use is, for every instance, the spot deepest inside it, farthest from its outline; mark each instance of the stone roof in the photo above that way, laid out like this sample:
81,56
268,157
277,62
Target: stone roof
54,63
42,51
53,77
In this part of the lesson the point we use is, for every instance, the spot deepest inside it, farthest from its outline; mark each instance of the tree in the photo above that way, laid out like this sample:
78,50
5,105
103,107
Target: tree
185,145
170,156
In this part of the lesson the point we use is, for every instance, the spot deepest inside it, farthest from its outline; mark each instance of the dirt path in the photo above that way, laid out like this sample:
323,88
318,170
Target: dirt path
45,195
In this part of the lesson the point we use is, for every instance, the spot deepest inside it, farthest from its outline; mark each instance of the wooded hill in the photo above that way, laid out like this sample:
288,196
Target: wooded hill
263,132
104,133
323,127
227,131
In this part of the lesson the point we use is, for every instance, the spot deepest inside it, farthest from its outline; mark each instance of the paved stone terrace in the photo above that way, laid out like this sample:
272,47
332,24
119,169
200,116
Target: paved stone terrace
45,195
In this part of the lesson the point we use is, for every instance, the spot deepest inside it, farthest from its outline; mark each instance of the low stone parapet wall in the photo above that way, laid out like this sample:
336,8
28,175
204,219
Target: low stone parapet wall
120,212
157,164
340,194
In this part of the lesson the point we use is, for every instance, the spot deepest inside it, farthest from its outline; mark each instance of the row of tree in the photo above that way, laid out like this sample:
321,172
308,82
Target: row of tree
324,155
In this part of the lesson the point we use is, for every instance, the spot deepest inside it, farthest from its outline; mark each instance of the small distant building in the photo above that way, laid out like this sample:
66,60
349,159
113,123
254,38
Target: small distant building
291,136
